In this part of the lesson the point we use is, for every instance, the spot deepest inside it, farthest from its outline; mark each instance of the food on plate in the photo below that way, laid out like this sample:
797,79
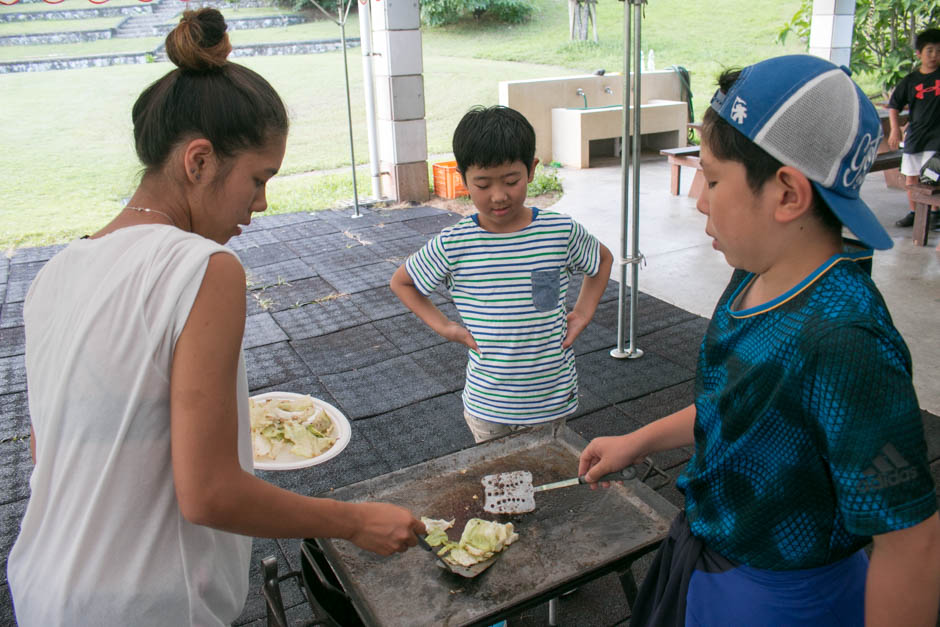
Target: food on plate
297,425
480,540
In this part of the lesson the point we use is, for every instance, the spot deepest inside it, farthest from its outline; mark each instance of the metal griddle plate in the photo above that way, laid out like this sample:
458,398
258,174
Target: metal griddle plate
571,534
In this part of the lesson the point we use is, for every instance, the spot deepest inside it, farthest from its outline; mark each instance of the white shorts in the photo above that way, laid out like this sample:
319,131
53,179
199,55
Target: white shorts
911,164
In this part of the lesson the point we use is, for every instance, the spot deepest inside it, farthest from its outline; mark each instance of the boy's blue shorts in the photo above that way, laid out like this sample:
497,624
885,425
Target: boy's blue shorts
828,596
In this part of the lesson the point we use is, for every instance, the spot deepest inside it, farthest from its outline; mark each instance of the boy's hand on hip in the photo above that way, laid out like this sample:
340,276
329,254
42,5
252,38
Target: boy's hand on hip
576,323
459,333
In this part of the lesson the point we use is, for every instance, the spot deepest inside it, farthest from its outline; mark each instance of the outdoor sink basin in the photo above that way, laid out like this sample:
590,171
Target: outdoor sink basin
573,128
613,106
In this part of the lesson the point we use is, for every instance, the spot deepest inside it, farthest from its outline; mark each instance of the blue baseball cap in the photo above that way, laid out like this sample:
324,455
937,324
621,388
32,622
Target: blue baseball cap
809,114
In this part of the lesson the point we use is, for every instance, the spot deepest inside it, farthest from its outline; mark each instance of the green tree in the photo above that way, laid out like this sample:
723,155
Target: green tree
439,12
883,37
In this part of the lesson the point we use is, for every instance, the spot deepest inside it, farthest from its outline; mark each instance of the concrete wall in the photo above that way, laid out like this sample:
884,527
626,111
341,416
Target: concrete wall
536,98
573,129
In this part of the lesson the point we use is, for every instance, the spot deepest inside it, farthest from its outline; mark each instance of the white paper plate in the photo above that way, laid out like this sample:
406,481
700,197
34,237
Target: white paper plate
287,460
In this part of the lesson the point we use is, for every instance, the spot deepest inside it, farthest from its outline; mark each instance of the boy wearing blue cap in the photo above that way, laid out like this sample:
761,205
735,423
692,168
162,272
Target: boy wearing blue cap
808,440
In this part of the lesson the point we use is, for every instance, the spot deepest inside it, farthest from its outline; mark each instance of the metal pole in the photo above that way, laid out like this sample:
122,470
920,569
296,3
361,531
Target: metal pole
342,14
365,42
631,97
620,351
352,152
635,255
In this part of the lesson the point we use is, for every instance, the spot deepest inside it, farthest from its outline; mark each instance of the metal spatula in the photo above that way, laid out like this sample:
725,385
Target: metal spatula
513,492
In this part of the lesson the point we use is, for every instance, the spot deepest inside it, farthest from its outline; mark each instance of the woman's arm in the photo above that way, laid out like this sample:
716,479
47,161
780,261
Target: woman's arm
903,586
211,487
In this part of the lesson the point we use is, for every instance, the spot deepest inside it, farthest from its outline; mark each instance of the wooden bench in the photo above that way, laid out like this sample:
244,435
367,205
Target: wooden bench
926,198
689,157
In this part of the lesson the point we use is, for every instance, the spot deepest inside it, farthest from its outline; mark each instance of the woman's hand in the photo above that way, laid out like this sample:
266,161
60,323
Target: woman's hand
384,528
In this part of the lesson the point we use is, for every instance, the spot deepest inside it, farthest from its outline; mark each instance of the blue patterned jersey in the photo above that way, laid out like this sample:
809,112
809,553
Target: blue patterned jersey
808,435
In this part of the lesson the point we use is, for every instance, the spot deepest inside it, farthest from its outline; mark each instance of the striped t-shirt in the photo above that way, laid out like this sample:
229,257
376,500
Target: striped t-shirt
510,291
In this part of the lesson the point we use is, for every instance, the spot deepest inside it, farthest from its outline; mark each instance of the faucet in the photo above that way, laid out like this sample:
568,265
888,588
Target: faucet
608,90
580,92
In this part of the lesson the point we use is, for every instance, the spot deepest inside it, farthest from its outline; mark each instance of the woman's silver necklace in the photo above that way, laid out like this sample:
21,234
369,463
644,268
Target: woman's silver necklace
148,210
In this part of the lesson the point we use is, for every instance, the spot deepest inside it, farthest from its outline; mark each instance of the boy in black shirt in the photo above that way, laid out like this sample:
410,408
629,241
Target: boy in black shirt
920,92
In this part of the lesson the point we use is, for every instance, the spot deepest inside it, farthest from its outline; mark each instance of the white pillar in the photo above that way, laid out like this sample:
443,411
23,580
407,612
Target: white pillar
830,34
368,80
399,99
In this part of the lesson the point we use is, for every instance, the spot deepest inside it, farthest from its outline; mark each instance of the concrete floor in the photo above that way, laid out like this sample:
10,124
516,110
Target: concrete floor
681,267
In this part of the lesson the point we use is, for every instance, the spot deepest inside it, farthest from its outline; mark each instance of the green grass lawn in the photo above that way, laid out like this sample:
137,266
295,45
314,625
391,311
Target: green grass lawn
72,142
308,31
57,51
233,13
59,26
703,37
76,184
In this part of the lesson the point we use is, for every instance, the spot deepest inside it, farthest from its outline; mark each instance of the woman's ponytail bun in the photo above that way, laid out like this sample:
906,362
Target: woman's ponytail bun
205,96
199,42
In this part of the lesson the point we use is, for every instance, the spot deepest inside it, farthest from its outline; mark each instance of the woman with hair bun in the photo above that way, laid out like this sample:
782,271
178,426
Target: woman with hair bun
143,500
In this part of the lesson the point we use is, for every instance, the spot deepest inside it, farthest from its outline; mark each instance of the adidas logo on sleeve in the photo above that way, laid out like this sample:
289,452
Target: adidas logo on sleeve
889,468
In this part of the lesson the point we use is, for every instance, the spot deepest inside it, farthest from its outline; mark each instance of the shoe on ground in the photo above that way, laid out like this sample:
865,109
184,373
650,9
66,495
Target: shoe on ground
906,221
933,222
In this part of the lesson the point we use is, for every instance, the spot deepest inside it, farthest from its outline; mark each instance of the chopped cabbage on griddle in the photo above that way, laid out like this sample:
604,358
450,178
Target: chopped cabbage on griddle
480,540
437,530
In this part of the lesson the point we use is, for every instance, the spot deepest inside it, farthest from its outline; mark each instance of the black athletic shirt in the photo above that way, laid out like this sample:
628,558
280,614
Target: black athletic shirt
921,94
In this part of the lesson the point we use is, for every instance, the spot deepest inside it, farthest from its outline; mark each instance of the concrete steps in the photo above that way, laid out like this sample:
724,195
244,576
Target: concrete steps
155,24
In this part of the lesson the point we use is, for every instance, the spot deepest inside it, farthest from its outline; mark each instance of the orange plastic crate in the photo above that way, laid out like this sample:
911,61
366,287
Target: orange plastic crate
447,180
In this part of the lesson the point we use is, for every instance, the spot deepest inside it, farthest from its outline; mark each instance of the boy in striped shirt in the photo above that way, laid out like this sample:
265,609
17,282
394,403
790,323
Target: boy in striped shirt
507,268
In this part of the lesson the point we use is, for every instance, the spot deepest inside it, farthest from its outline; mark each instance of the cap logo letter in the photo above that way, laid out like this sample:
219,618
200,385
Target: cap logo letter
738,110
861,162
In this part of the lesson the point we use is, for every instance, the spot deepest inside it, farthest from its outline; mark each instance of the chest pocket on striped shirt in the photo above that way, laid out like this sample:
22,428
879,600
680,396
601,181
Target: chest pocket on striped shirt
545,286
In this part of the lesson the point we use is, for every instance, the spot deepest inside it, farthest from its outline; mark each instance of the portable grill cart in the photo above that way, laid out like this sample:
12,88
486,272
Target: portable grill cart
574,536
